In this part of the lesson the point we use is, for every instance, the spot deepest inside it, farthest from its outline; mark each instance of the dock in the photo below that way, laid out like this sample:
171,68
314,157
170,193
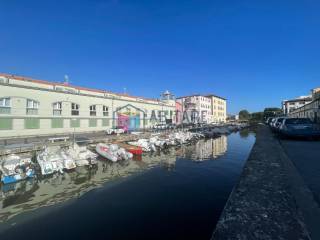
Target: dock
271,200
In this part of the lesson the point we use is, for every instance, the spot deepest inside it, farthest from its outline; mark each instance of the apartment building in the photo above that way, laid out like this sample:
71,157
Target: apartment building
210,108
289,106
309,110
218,108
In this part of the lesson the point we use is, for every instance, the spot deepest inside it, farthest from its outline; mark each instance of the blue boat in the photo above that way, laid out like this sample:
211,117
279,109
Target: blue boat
17,177
15,168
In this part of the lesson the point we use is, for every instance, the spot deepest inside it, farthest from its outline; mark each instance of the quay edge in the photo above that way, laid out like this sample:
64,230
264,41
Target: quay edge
271,200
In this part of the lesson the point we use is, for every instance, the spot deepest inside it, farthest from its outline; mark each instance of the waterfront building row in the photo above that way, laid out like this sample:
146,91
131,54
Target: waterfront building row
309,110
37,107
289,106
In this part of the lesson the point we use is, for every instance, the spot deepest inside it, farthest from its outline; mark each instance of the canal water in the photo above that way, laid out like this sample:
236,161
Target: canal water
177,194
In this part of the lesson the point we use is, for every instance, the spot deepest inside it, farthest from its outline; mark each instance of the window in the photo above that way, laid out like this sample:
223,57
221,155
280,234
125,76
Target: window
74,109
5,105
4,102
4,80
57,108
105,122
32,107
32,123
105,111
5,123
92,122
74,123
93,111
57,123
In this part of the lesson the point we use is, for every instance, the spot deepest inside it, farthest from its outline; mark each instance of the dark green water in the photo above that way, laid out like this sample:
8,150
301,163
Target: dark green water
174,195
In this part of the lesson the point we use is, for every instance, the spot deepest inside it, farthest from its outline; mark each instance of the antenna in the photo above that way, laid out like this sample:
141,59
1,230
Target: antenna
66,79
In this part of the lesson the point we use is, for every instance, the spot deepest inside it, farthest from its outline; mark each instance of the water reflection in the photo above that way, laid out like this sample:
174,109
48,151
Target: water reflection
205,149
29,195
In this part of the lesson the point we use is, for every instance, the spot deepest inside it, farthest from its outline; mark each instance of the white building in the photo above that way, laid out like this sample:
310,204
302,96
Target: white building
311,109
289,106
197,106
210,108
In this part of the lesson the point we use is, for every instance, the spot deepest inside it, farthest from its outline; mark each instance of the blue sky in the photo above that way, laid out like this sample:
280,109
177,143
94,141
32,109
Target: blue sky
254,53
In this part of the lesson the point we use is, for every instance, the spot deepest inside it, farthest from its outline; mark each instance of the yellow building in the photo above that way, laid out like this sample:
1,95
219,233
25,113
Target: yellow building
218,108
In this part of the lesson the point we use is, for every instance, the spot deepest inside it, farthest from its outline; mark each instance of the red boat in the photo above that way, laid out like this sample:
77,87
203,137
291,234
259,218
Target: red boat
132,149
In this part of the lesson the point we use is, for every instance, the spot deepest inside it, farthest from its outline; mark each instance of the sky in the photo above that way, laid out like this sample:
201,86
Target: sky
254,53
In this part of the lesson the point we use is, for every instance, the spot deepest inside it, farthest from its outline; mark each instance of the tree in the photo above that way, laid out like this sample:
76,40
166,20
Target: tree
244,115
257,116
272,112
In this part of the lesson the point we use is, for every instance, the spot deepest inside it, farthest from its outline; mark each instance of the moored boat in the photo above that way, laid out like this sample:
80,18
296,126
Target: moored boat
50,160
15,168
105,151
113,152
135,150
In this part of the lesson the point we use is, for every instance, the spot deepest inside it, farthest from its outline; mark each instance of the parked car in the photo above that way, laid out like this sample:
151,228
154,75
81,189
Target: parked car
299,127
268,120
160,126
277,123
273,120
116,130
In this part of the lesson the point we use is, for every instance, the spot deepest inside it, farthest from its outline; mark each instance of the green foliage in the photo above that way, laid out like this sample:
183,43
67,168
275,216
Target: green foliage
271,112
244,115
257,116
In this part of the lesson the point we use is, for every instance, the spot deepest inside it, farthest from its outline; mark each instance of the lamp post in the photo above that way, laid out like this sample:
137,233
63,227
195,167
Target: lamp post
74,130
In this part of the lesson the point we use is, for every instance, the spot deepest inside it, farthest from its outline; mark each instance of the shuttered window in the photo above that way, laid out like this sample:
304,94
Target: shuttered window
92,122
32,123
105,122
5,105
75,123
5,123
57,123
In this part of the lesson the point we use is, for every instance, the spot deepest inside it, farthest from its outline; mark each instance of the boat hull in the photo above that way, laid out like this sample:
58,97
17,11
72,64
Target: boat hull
17,177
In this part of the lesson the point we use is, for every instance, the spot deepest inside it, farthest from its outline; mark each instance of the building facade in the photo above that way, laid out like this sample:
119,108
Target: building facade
289,106
196,108
37,107
309,110
218,108
210,108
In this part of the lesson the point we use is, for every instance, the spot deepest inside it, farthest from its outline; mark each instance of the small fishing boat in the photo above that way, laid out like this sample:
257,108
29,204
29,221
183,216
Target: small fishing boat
81,155
135,150
144,144
105,151
113,152
50,160
68,161
15,168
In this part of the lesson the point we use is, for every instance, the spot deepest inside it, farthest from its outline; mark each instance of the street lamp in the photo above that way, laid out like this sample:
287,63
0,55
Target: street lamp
74,130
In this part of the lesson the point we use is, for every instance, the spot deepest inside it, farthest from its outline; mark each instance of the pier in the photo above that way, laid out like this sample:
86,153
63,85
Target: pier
271,200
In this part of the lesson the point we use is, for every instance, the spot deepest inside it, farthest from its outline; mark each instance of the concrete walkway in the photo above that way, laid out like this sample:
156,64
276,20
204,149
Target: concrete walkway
271,201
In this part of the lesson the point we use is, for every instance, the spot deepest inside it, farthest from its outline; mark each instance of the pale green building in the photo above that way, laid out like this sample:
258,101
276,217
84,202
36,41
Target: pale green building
31,107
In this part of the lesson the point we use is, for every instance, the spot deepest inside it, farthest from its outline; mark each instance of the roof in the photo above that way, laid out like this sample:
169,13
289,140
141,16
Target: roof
212,95
28,79
299,99
204,95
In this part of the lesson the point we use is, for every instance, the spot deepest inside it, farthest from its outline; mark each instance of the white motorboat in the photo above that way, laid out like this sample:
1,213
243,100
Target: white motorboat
50,160
68,161
105,151
81,155
145,144
113,152
15,168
